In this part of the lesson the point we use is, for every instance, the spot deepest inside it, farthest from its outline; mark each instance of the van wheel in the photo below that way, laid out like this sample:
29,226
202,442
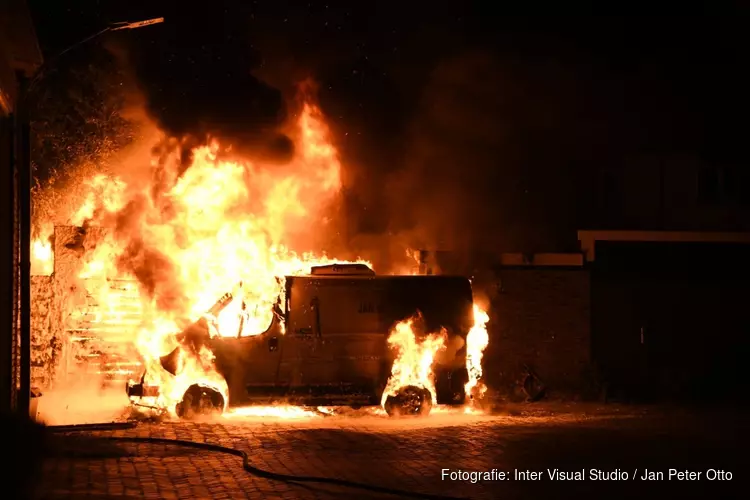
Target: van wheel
411,401
200,401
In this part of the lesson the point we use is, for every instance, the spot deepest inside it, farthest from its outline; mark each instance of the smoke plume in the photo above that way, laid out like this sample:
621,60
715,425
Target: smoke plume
155,271
199,84
472,162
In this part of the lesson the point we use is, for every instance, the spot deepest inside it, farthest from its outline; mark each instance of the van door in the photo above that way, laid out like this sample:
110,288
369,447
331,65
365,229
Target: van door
335,335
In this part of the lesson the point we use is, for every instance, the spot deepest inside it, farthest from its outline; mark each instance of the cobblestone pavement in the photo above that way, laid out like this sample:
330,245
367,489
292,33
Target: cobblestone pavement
404,454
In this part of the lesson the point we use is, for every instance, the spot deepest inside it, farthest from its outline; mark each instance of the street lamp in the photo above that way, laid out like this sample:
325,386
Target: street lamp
137,24
112,27
23,169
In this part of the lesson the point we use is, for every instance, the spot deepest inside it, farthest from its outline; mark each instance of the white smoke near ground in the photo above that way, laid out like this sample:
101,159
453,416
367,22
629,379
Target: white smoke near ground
84,401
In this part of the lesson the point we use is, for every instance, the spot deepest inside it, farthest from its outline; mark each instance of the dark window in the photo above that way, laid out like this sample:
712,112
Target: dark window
726,185
610,191
709,186
609,200
743,185
730,186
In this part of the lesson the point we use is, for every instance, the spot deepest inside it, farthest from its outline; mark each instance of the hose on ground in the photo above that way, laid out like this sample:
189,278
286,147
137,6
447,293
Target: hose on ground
110,426
287,478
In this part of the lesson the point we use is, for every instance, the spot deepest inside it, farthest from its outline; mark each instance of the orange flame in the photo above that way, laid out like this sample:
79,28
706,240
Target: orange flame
476,342
41,257
221,225
190,235
275,411
414,358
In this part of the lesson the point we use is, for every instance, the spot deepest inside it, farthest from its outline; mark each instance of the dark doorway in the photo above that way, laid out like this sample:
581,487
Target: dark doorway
669,320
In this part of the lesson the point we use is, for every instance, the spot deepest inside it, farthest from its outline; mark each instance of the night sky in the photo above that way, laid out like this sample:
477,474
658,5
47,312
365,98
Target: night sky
484,126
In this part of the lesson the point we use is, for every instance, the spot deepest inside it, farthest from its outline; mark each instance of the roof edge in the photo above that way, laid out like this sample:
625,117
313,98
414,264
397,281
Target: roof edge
588,238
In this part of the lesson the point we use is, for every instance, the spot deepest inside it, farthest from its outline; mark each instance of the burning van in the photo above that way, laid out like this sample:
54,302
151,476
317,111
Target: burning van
327,343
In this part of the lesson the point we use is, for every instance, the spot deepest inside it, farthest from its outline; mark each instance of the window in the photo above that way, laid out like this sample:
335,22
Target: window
709,186
737,184
727,185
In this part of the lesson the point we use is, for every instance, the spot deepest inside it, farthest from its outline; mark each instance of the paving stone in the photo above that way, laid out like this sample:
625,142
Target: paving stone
406,455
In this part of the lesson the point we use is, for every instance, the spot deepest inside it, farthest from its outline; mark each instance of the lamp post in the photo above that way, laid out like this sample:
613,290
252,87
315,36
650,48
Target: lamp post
24,180
39,74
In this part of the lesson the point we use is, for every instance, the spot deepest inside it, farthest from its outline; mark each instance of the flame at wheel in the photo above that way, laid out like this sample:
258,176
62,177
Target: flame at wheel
476,342
409,401
410,390
200,401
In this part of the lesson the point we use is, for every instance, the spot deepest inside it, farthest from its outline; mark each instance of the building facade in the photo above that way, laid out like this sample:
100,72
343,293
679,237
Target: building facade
668,312
674,192
539,328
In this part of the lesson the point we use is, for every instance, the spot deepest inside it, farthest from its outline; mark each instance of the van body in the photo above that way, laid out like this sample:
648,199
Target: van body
334,349
328,341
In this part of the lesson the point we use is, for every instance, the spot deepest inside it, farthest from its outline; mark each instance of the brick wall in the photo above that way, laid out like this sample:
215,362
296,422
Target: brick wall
540,317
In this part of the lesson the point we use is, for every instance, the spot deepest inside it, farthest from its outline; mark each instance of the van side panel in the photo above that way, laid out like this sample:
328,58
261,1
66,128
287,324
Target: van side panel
338,326
335,334
334,346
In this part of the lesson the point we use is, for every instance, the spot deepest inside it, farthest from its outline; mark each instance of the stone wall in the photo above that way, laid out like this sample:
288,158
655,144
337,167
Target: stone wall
46,341
540,317
54,298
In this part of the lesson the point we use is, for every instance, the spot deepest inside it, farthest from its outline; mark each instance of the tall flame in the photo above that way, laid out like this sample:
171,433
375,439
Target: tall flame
414,357
188,234
476,342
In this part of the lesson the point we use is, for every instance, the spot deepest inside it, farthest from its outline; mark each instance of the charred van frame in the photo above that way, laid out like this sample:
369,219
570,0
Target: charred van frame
327,343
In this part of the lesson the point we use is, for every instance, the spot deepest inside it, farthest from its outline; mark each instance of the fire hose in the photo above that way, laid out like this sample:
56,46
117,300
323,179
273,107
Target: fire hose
287,478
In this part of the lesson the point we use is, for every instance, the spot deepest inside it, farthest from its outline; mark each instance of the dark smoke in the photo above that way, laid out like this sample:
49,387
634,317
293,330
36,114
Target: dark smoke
444,145
506,141
448,141
487,136
198,83
155,271
504,151
486,162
